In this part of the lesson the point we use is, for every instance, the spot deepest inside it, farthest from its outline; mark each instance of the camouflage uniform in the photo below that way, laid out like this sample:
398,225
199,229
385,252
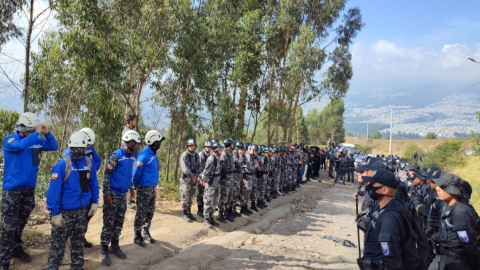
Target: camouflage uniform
190,163
267,163
226,178
261,177
238,178
211,174
290,164
273,173
281,179
146,196
74,228
254,193
16,208
248,177
113,218
201,189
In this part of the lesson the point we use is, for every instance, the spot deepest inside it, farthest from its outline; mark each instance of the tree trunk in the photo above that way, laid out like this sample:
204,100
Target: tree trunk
26,83
172,117
182,124
242,104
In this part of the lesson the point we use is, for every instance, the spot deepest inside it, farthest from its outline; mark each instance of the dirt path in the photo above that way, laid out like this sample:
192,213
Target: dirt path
291,238
286,234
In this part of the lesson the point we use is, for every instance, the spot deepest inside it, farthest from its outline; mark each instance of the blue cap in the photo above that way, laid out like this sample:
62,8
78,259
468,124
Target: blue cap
384,177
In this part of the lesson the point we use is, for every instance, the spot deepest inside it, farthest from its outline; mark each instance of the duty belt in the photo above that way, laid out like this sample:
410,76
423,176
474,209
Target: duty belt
247,173
451,254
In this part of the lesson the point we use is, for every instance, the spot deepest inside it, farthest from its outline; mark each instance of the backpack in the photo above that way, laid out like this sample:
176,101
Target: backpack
68,166
415,250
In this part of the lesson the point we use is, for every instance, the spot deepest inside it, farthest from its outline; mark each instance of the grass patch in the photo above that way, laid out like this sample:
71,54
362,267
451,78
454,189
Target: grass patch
171,191
448,156
470,173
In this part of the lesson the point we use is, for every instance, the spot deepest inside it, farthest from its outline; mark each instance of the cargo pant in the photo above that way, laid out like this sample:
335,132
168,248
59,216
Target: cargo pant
74,228
225,191
261,186
211,197
146,197
246,189
200,192
235,192
254,193
113,218
187,192
16,208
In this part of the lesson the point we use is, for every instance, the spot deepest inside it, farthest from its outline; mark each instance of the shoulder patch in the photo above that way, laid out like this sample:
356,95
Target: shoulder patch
385,249
139,164
109,167
54,176
11,140
463,236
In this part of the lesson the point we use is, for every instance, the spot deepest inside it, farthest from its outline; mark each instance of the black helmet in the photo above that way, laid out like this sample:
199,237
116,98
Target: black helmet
191,142
266,150
207,144
255,148
239,145
247,146
215,141
228,143
216,146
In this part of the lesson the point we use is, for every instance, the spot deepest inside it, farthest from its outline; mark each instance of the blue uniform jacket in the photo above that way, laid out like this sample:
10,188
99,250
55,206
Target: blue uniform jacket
146,171
22,156
91,153
68,195
118,172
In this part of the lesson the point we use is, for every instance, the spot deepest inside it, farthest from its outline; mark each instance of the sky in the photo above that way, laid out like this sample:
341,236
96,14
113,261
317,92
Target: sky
410,52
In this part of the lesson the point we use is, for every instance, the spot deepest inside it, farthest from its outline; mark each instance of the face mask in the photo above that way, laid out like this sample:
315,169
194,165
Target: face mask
372,192
155,146
77,155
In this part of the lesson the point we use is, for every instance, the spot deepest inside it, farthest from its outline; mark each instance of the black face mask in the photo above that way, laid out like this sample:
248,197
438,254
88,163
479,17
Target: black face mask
77,155
372,192
155,146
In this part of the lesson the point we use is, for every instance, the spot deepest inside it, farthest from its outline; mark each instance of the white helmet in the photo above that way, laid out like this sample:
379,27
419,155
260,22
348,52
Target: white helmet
153,136
27,122
131,135
89,134
78,139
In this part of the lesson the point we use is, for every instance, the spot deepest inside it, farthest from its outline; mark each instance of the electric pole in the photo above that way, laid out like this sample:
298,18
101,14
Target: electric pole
391,124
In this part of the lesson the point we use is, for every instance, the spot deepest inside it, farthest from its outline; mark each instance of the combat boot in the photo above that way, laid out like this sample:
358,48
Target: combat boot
253,207
244,210
207,222
212,220
200,211
230,216
260,204
274,194
294,188
185,216
86,243
221,216
104,256
115,249
267,198
146,236
21,255
234,211
189,212
139,239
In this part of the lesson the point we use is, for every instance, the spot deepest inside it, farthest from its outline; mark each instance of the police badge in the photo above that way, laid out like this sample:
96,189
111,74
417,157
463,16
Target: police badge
385,248
463,236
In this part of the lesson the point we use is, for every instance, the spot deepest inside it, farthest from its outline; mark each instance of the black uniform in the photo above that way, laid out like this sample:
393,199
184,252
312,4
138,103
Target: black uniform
457,238
323,160
332,159
351,168
419,193
385,237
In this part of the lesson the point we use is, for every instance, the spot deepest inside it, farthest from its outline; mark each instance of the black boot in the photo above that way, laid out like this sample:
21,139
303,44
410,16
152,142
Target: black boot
115,249
260,204
212,220
267,198
207,222
185,216
200,211
139,239
221,216
87,244
274,194
21,255
189,212
244,210
104,256
230,216
146,236
293,188
253,207
234,211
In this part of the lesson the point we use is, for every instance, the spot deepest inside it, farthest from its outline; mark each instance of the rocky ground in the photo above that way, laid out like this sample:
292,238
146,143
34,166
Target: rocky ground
287,235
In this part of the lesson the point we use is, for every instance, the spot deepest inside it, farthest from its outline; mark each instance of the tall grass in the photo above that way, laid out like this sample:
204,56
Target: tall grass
471,173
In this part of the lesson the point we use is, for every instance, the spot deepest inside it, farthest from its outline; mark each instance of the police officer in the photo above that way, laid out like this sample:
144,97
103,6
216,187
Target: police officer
342,167
211,176
323,160
331,164
145,181
254,193
387,231
270,171
420,190
249,167
274,173
131,122
351,167
203,155
22,153
97,161
72,196
227,174
433,205
424,207
238,155
457,236
190,165
117,181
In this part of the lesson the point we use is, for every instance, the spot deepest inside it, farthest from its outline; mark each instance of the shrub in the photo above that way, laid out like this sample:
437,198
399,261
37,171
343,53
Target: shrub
410,150
447,156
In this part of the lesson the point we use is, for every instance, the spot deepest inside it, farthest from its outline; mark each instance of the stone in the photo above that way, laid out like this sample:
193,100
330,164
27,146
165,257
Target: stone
258,231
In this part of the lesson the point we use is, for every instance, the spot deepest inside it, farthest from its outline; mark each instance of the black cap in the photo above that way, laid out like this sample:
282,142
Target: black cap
421,175
372,164
384,177
413,167
454,185
433,172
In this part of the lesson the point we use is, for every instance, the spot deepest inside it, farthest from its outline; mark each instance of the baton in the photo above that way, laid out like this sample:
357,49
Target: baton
358,232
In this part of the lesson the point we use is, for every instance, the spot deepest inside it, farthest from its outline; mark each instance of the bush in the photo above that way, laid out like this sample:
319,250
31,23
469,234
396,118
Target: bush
363,149
431,136
171,190
410,150
447,156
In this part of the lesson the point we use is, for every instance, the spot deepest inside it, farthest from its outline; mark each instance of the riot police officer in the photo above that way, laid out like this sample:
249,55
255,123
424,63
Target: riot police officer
190,165
203,156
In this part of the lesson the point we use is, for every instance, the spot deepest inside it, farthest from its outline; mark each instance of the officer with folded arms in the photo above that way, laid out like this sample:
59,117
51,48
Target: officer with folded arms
457,235
387,231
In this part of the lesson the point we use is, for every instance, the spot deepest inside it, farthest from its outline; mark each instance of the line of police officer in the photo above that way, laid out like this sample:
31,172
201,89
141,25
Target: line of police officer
416,219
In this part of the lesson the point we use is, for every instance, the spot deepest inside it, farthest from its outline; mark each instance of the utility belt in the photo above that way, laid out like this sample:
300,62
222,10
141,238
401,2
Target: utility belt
247,173
371,265
454,255
182,175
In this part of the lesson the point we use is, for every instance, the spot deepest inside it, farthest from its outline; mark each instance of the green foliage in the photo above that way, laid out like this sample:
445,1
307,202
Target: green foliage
365,150
376,135
349,134
327,124
171,190
8,119
410,149
431,136
447,156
